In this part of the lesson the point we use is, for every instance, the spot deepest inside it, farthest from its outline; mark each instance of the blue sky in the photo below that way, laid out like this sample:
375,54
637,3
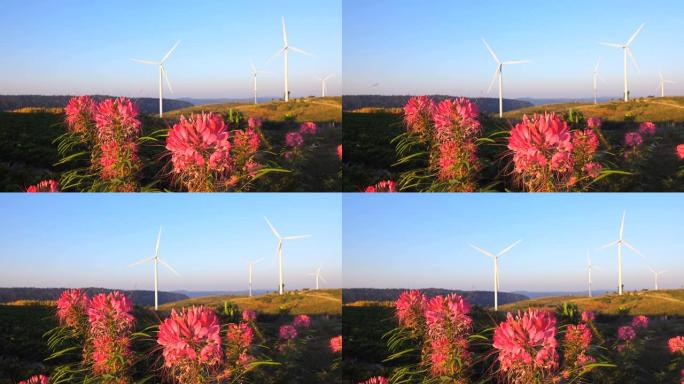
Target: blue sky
79,46
422,240
420,47
75,240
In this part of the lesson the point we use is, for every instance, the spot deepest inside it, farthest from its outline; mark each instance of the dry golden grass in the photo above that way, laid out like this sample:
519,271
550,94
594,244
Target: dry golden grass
660,109
321,302
38,110
665,302
315,109
25,303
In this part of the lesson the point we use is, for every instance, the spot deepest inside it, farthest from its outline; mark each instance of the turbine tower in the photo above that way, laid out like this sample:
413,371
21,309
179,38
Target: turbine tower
620,242
655,276
156,260
250,266
162,73
498,72
595,78
255,72
323,86
318,277
589,269
284,50
495,258
626,51
661,84
279,252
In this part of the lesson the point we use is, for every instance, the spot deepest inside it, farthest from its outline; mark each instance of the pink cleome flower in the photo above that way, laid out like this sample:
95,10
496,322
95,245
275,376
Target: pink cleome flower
193,335
249,316
116,157
339,151
254,122
79,111
336,344
201,140
460,113
647,128
445,314
112,309
308,128
640,321
302,321
676,344
418,113
680,151
117,119
294,139
541,141
527,342
633,139
240,335
410,307
110,325
246,141
626,333
72,307
376,380
593,169
382,186
44,186
594,122
36,379
579,335
287,332
588,316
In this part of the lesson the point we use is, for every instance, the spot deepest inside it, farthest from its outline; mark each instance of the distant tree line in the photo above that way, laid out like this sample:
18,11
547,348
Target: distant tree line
146,104
139,297
486,104
482,298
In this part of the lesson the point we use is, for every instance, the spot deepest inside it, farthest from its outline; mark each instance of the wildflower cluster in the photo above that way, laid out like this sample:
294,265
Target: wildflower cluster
44,186
382,186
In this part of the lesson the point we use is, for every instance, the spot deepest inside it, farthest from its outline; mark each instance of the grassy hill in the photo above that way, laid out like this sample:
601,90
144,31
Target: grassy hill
315,109
661,109
321,302
650,303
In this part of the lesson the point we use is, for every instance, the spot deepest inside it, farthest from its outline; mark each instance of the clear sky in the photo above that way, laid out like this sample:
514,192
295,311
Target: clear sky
422,240
82,46
82,240
435,47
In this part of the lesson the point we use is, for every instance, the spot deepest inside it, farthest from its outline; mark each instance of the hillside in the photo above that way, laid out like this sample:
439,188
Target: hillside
661,109
321,302
481,298
51,294
486,104
146,104
652,303
328,109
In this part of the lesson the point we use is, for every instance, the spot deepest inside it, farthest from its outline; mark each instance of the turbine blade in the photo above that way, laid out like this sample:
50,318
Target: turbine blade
612,45
482,251
635,35
141,261
322,278
622,224
166,77
491,51
629,52
170,268
517,62
145,61
630,246
328,77
156,247
284,31
491,83
272,228
252,64
597,64
303,52
609,244
170,51
257,261
296,237
651,269
508,248
281,50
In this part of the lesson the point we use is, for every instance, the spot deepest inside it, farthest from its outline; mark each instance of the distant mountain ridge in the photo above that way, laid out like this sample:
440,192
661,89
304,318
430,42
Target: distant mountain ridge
486,104
194,294
540,294
145,104
143,298
481,298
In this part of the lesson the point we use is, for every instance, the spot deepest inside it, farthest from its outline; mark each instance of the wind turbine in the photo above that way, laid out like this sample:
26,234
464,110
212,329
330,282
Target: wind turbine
279,251
250,266
323,86
627,51
255,72
655,276
498,72
620,242
318,276
661,84
284,50
495,258
589,269
156,260
162,73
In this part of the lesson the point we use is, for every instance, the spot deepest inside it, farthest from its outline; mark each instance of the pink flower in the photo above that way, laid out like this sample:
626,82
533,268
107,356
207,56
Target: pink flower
44,186
336,344
456,161
189,337
339,151
302,321
201,140
376,380
294,139
116,119
447,315
410,307
287,332
418,114
111,324
240,335
588,316
37,379
527,343
640,321
382,186
540,142
72,307
626,333
456,117
594,122
80,111
112,309
308,128
246,142
647,128
593,169
249,316
254,123
579,335
633,139
676,344
118,160
680,151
